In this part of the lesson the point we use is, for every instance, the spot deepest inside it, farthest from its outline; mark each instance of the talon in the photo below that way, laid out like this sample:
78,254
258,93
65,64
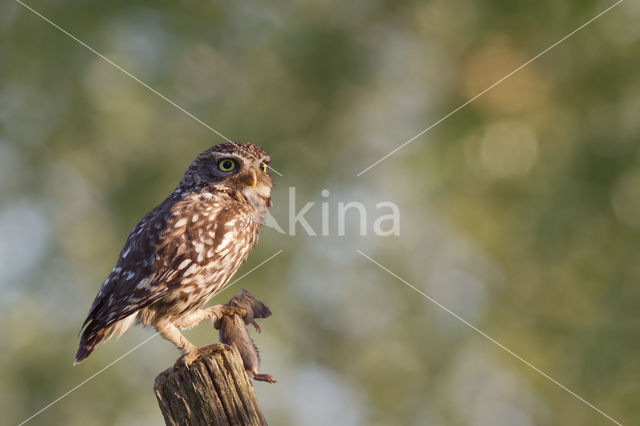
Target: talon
214,347
234,310
216,323
190,358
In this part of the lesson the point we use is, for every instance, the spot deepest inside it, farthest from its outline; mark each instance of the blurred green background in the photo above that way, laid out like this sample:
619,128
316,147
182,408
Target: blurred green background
520,213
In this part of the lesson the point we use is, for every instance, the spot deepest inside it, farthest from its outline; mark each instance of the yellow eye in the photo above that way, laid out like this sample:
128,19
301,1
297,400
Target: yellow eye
226,164
264,167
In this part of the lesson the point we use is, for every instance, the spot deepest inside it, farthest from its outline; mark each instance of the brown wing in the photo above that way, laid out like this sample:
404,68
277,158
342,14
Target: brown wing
148,267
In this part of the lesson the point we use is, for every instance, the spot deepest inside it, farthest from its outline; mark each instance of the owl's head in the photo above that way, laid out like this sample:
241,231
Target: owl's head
238,166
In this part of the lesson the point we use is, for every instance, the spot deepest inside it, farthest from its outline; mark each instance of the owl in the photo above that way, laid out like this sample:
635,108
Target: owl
185,250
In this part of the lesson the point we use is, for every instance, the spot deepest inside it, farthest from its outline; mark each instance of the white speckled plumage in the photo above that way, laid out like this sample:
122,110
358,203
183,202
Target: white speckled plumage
184,250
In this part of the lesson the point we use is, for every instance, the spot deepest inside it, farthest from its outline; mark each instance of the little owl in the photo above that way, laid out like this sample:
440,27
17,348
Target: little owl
185,250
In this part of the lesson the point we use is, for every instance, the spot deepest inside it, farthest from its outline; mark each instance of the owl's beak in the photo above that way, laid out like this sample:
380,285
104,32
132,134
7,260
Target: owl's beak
254,178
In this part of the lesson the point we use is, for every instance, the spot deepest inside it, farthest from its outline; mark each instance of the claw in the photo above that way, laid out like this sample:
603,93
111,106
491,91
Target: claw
189,358
216,323
234,310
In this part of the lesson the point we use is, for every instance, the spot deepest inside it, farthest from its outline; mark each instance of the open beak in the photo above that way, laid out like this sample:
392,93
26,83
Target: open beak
254,179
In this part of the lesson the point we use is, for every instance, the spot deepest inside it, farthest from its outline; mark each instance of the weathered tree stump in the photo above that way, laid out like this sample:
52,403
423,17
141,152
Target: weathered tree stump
214,390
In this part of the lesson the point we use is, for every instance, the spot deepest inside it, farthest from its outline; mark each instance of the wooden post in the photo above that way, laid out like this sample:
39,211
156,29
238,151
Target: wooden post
214,390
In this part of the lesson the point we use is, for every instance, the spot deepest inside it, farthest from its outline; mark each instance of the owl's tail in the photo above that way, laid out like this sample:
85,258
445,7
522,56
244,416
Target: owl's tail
91,337
88,343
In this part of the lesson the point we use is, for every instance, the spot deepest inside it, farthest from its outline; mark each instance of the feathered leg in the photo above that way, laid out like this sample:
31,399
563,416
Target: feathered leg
216,311
172,334
190,352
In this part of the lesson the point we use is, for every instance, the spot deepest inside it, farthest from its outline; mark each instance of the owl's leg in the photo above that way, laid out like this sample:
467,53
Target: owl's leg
193,318
190,352
170,332
216,311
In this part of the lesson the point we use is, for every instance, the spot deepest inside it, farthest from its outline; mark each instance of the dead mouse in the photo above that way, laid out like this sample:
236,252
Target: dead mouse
234,332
